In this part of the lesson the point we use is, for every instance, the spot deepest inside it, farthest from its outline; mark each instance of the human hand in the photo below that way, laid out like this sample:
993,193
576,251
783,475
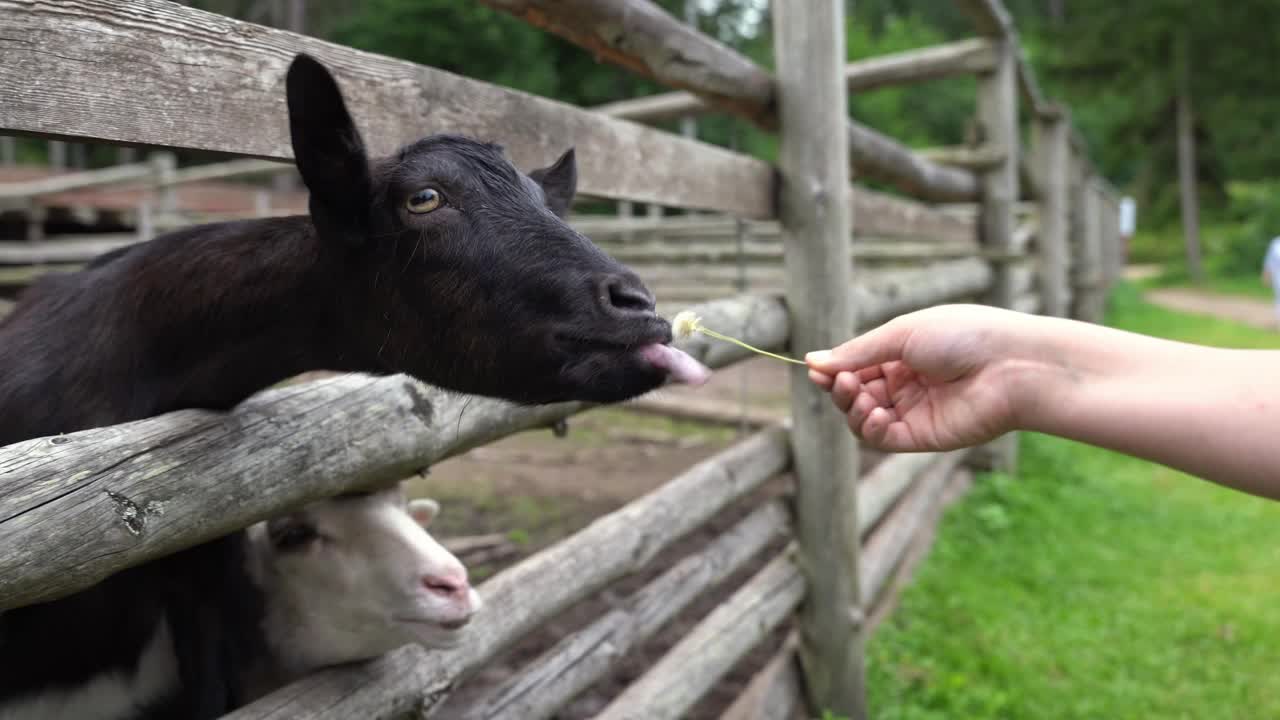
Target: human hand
943,378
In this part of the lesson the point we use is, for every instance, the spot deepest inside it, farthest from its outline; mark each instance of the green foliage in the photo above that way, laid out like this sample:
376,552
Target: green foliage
918,115
1233,240
1110,588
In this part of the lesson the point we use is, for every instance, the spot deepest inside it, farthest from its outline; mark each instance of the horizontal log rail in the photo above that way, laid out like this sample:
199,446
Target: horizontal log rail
580,659
232,101
640,36
691,668
65,182
966,57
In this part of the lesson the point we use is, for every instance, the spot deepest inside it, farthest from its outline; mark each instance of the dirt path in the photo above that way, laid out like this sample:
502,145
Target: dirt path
1249,311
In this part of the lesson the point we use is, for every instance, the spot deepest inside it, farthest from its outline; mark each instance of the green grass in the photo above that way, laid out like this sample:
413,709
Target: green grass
1246,286
1093,586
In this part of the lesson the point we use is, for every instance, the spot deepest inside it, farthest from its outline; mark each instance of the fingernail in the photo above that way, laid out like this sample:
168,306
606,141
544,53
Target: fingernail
818,356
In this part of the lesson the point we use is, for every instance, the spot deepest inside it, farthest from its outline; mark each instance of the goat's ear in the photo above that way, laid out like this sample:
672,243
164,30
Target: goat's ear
559,182
424,510
329,153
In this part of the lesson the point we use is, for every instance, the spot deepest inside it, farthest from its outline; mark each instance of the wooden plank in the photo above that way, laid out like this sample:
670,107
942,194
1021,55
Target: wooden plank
758,254
544,686
281,449
998,113
1029,303
879,214
880,157
522,597
63,182
184,78
65,249
713,647
966,57
918,548
875,214
638,35
226,170
886,295
1052,161
879,489
644,39
815,212
983,157
888,543
774,693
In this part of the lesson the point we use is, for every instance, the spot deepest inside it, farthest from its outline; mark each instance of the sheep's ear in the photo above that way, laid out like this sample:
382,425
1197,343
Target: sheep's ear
559,182
424,510
329,153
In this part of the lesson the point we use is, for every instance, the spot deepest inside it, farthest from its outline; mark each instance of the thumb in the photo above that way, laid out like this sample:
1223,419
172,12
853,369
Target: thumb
880,345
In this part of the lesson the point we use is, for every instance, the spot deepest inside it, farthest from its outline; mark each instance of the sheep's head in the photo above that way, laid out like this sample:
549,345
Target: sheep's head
356,576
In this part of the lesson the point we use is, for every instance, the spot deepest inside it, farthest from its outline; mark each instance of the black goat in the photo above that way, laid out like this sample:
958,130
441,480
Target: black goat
441,261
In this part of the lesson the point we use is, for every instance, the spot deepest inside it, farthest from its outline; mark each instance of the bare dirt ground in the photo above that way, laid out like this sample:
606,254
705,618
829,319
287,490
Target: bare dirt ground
1248,311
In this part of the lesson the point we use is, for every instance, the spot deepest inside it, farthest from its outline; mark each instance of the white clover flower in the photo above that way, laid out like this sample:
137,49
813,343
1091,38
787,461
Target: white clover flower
685,324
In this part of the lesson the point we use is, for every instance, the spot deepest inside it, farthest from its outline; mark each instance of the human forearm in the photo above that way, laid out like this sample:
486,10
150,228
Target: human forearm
1210,412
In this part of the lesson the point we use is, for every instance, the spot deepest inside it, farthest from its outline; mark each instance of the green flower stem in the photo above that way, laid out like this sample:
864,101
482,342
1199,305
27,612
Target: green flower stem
739,343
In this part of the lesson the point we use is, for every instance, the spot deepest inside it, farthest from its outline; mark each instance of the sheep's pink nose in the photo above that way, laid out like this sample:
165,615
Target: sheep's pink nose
449,586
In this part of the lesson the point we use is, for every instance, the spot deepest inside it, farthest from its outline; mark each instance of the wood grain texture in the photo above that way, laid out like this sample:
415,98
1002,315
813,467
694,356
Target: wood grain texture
522,597
875,214
888,294
638,35
541,688
773,693
157,73
879,489
917,550
880,157
887,544
643,38
815,212
211,473
936,62
691,668
998,113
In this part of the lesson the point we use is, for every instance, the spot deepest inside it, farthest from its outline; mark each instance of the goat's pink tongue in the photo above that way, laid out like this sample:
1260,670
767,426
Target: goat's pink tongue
679,365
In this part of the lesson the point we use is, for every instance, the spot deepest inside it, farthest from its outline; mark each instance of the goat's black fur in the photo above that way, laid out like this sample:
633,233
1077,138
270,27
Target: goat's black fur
490,293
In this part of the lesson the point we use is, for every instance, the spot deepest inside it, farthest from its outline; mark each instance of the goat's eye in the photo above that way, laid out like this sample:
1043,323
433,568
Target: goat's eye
424,201
295,536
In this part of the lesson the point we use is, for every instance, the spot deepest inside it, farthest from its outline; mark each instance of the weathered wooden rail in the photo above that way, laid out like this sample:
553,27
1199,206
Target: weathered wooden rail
1027,228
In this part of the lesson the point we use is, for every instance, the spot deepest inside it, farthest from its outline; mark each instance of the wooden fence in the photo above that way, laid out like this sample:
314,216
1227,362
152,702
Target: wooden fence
1032,228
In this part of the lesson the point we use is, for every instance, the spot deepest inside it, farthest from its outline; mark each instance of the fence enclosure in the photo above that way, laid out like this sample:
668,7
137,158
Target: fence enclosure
1030,227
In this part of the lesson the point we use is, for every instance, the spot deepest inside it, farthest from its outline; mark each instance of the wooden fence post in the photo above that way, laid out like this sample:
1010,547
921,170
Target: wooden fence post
1088,274
1052,156
1111,237
816,216
998,116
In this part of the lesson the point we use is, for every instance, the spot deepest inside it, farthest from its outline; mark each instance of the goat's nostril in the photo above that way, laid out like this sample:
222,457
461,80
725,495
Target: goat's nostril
446,586
627,294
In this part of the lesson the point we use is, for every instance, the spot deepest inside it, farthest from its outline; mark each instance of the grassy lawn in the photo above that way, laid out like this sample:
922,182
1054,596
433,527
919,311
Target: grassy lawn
1093,586
1250,286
